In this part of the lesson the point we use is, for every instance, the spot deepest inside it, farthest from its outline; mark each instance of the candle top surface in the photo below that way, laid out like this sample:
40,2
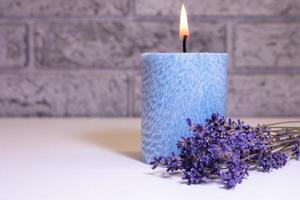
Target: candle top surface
185,55
181,53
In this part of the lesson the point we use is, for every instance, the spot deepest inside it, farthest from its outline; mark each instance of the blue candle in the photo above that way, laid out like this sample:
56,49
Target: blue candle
177,86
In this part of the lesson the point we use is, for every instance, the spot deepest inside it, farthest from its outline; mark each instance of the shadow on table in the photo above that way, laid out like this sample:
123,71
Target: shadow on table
126,142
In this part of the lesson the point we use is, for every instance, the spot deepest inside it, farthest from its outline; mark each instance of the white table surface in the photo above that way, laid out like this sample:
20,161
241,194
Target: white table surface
83,159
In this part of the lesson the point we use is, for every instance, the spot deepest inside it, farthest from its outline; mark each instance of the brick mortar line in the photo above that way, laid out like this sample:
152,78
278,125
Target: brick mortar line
132,17
221,18
30,49
134,102
232,70
133,68
4,72
234,37
264,71
130,98
229,43
132,72
132,11
82,69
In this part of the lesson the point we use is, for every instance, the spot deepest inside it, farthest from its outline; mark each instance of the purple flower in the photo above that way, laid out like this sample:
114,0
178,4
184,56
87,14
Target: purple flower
226,149
272,160
189,122
296,149
192,177
156,161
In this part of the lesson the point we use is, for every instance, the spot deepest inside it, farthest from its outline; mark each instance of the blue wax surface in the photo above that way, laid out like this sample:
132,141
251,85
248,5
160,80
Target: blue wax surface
177,86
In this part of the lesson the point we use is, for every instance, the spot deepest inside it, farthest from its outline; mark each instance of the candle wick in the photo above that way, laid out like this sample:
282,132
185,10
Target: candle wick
184,43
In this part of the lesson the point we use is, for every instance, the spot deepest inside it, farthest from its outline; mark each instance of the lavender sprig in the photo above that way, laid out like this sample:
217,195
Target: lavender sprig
225,150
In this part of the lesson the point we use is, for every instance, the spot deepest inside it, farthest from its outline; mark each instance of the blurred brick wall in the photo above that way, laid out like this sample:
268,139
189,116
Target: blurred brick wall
81,57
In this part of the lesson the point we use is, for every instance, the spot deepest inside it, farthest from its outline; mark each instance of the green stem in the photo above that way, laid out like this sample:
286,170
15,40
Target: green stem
283,148
285,127
284,122
281,136
250,156
279,143
284,131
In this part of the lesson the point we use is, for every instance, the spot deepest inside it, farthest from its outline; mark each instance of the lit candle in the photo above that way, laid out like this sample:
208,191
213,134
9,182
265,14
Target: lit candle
177,86
183,27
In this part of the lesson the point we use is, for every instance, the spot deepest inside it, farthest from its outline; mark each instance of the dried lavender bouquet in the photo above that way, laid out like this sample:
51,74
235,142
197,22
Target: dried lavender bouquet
225,150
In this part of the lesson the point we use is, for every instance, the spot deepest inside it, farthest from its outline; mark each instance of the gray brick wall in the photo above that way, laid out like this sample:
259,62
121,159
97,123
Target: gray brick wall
82,57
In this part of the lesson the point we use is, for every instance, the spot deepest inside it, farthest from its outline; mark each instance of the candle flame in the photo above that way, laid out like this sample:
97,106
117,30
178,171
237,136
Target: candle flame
183,27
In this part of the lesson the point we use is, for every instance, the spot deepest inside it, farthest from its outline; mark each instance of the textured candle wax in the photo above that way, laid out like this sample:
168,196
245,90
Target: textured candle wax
177,86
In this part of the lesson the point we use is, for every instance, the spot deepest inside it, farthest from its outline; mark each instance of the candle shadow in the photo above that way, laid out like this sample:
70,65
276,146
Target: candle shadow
126,142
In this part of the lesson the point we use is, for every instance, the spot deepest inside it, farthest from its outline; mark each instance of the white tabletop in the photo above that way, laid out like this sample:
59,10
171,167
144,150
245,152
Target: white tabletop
87,159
